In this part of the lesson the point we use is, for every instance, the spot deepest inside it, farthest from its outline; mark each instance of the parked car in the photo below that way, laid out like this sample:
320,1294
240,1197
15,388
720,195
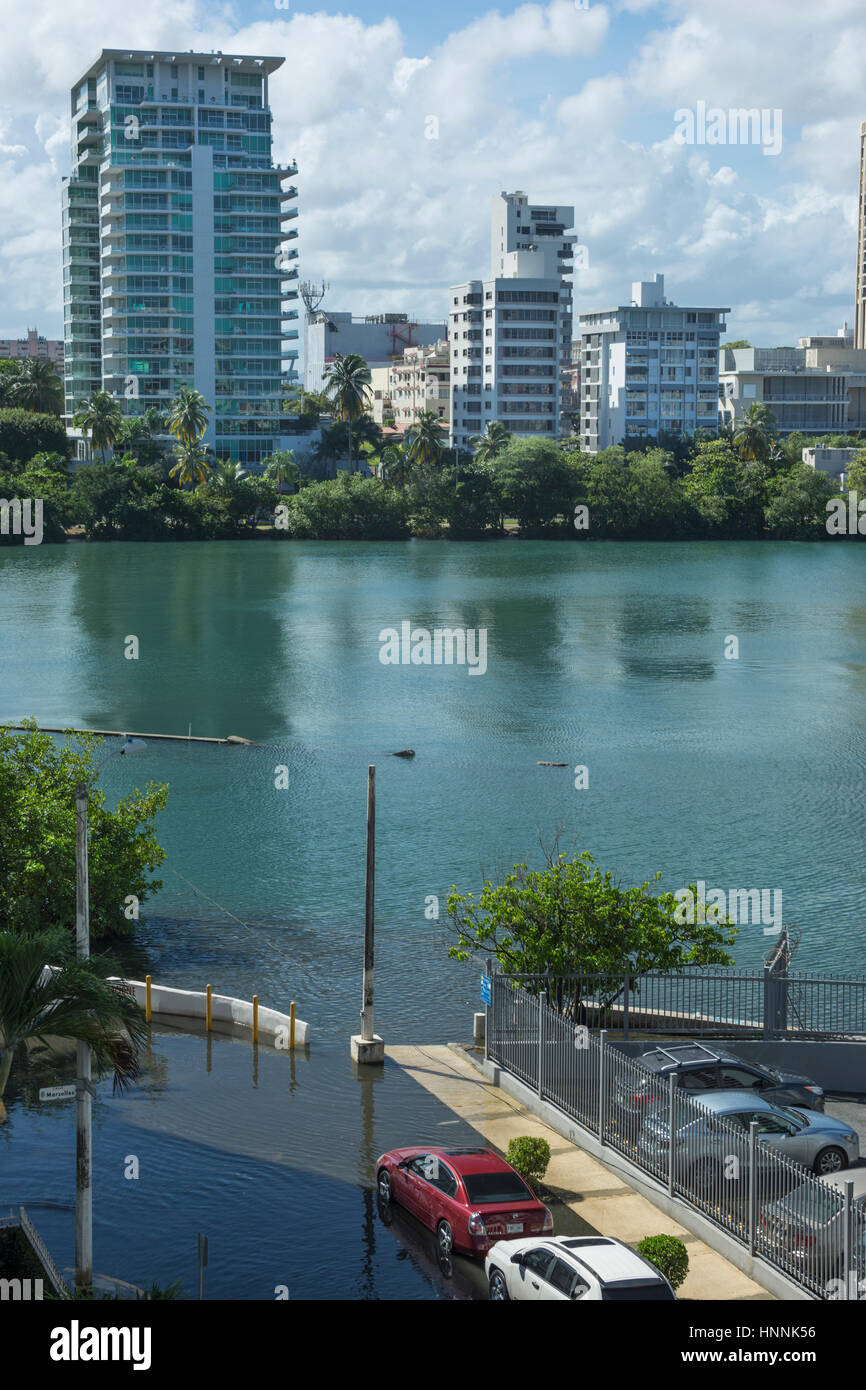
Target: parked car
589,1268
699,1069
469,1197
806,1227
817,1141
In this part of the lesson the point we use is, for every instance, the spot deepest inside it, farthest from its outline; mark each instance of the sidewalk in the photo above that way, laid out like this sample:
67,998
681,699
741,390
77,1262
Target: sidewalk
601,1199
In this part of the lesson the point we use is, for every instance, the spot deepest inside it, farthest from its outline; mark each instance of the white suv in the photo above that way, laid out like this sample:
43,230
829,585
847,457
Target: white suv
591,1268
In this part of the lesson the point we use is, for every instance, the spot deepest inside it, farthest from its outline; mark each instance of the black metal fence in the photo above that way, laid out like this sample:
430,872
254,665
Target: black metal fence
782,1213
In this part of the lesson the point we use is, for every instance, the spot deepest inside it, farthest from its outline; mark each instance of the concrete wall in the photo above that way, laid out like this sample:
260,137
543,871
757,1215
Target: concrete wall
189,1003
837,1066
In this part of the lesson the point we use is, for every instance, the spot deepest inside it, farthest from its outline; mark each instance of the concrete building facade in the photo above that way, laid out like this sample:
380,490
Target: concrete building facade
810,399
420,381
510,335
647,368
380,339
178,232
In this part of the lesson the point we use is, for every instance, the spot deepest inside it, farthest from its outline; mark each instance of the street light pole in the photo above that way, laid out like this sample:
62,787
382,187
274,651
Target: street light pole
83,1168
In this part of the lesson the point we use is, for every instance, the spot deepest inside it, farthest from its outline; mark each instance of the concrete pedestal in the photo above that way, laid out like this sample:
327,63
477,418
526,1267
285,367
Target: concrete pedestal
479,1023
367,1051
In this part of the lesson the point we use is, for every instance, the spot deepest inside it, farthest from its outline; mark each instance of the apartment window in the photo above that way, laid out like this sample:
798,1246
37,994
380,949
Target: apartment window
201,93
201,74
174,70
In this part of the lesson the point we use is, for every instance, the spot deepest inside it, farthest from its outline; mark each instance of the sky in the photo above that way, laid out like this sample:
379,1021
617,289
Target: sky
406,118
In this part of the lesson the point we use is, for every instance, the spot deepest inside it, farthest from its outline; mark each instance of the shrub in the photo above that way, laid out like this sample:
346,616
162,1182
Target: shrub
668,1255
530,1156
24,433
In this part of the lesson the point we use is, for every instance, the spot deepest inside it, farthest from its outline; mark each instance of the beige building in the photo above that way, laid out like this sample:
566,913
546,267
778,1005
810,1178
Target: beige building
380,394
420,380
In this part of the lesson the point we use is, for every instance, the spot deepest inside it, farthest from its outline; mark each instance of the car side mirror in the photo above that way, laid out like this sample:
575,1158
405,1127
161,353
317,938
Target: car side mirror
517,1258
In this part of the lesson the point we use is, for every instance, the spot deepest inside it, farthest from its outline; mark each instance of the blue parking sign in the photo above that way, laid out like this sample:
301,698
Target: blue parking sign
486,990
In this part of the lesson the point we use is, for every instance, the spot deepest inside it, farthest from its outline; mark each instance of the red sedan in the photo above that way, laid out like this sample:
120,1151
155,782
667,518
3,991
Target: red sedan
469,1197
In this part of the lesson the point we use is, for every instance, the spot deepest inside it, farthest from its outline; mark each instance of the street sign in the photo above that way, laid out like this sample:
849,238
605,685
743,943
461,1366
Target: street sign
486,990
57,1092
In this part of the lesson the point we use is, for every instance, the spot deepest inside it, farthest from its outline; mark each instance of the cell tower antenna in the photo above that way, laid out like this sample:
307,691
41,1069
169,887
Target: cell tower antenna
312,295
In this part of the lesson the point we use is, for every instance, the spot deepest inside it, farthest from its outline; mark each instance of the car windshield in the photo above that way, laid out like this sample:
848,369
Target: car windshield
495,1187
794,1116
651,1289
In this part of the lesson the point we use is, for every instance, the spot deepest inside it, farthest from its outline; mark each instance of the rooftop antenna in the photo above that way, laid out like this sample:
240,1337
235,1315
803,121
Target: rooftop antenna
312,295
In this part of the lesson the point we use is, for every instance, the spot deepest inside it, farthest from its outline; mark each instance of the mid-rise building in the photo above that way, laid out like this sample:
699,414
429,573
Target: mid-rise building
419,381
510,335
647,368
178,232
380,339
34,345
810,399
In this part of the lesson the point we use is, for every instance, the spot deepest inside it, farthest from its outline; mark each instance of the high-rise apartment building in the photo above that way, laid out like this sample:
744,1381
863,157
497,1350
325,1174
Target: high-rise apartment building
34,345
510,335
648,368
178,263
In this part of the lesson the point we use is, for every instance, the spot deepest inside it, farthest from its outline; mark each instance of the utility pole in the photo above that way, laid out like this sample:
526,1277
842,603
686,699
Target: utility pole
366,1046
83,1167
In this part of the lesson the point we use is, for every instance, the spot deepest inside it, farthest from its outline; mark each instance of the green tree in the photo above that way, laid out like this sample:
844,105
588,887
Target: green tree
570,917
396,466
797,504
36,386
188,416
100,417
38,778
191,466
46,482
727,493
136,438
425,442
280,468
75,1001
347,382
24,433
754,435
348,507
487,445
226,475
538,484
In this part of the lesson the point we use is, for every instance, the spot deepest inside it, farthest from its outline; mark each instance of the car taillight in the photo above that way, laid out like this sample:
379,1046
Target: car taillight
644,1100
476,1224
548,1220
803,1242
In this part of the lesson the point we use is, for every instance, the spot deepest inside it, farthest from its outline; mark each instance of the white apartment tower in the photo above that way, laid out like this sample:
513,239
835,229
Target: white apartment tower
510,335
647,368
178,242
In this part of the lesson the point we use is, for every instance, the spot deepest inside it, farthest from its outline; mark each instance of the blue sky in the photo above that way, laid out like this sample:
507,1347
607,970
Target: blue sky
572,104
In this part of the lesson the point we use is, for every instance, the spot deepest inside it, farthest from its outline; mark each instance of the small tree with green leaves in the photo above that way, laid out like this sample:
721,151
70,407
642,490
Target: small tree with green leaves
530,1156
669,1255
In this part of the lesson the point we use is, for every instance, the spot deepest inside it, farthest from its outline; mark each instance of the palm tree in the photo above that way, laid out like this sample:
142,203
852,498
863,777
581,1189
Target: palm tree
396,467
101,418
72,1001
755,434
36,386
486,446
188,415
280,468
226,474
348,383
425,443
192,466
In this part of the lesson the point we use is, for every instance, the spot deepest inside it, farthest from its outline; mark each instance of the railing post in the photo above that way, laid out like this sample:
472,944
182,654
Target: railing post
625,1011
753,1185
540,1042
488,1009
602,1084
850,1274
672,1087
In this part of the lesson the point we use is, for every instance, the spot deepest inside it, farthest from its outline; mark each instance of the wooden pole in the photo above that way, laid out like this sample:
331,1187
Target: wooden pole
367,1020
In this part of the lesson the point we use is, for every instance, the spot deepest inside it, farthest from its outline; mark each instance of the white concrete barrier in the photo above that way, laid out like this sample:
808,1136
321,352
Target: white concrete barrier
192,1003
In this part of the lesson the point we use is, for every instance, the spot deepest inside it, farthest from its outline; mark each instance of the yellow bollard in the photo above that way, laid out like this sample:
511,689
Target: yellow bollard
147,997
209,1008
255,1018
292,1026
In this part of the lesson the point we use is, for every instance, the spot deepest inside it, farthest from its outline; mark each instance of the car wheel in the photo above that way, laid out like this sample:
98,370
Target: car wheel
383,1186
830,1160
445,1239
498,1287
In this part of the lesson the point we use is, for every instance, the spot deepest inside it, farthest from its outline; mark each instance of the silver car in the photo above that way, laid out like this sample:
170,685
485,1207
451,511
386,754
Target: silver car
805,1227
704,1141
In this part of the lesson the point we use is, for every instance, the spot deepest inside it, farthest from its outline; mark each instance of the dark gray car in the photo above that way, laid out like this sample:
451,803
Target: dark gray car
699,1068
